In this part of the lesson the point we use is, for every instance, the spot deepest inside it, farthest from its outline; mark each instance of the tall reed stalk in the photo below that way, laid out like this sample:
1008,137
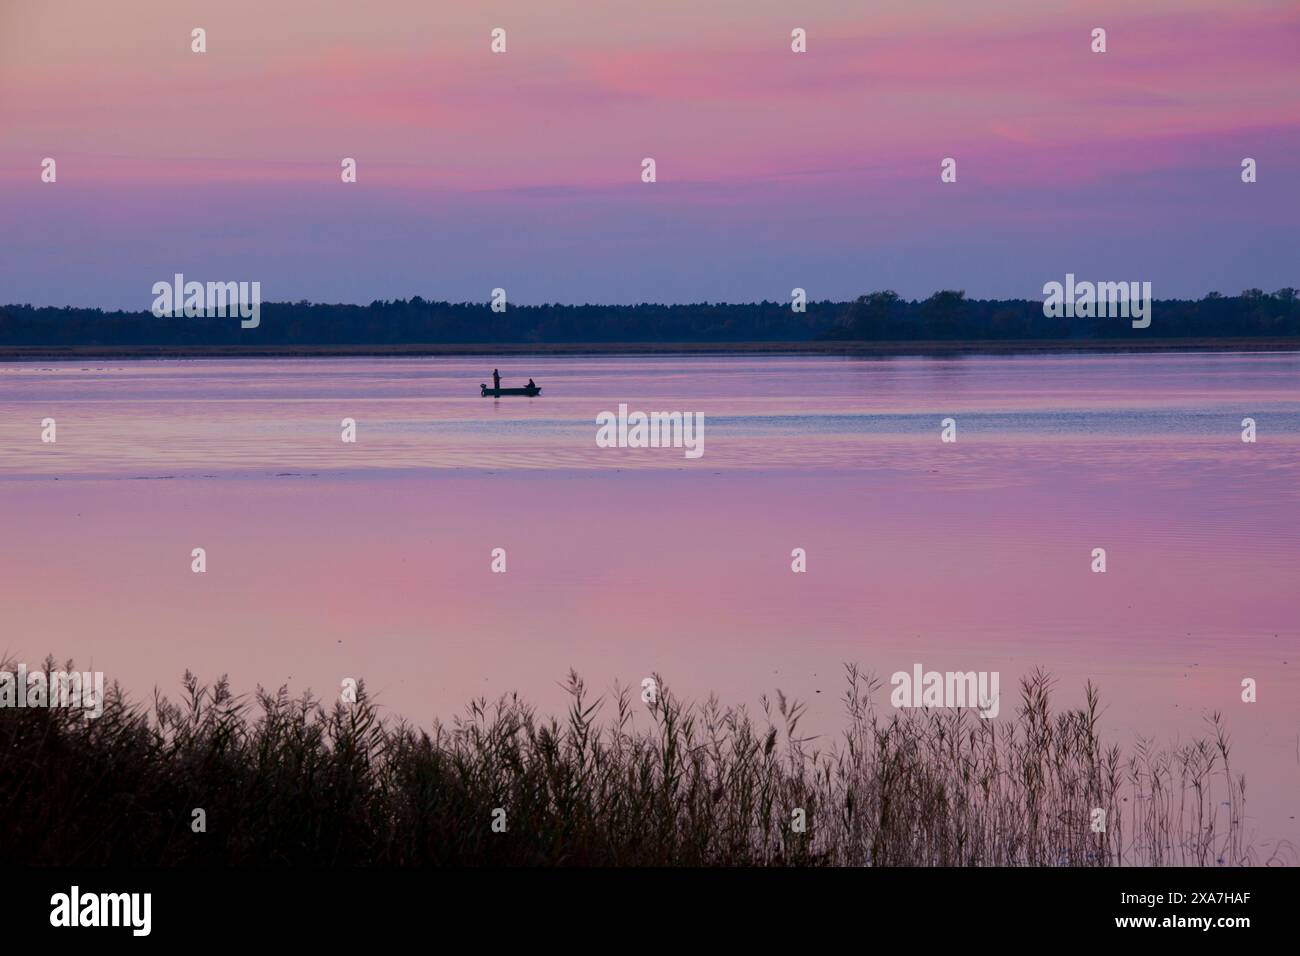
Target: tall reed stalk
285,780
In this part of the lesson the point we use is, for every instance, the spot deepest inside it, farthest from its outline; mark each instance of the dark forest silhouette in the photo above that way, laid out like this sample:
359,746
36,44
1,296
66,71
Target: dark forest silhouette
879,317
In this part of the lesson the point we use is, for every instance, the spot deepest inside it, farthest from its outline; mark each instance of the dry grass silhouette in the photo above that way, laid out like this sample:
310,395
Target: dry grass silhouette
286,781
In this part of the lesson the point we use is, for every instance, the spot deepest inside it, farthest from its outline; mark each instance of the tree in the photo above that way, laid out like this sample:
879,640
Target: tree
942,313
869,316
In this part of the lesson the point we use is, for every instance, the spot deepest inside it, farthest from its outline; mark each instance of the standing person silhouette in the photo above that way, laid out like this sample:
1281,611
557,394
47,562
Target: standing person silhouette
496,378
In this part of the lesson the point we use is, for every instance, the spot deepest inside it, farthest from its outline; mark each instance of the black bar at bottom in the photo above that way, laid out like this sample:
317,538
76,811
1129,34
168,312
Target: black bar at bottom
334,906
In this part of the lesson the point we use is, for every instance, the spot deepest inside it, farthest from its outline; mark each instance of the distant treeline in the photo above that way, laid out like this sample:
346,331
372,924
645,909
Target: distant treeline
879,316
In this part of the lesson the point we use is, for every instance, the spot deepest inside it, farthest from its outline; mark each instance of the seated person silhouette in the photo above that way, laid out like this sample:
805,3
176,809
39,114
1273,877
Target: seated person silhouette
531,384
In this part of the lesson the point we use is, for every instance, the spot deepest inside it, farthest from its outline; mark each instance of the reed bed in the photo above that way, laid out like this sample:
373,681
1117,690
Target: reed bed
288,781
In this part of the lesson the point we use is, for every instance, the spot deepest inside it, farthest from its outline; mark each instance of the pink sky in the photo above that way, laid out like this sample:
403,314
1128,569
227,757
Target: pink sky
775,169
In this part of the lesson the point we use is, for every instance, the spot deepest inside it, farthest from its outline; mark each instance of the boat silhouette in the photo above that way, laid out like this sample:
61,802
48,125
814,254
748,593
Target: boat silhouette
532,392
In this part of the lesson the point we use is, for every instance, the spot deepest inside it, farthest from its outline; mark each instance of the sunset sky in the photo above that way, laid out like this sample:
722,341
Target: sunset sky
522,170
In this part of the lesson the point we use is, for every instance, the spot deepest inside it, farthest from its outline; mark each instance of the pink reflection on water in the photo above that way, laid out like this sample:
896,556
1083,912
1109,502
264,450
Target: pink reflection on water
971,556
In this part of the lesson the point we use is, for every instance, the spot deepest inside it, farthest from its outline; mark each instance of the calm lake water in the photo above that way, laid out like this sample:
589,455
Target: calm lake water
372,560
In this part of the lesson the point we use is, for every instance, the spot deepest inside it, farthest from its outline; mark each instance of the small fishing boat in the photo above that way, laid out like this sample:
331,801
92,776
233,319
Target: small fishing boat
498,392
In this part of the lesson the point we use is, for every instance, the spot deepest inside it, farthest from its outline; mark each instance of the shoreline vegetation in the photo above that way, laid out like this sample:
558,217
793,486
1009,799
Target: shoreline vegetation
615,781
876,324
832,348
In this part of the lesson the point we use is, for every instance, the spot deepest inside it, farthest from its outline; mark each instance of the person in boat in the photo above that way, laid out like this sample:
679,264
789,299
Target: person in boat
531,384
496,378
